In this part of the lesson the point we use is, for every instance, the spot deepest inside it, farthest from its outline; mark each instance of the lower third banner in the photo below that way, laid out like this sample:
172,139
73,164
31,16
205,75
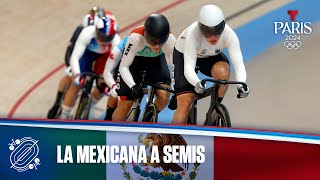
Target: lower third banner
31,149
37,153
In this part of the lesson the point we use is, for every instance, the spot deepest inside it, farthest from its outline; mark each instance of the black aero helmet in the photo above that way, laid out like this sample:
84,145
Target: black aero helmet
156,29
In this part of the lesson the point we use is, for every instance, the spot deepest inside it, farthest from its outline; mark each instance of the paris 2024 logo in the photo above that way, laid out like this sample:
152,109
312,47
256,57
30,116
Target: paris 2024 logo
293,30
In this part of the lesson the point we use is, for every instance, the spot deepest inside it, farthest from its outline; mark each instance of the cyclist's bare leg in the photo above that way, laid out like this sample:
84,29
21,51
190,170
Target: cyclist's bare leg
69,100
162,98
184,102
112,102
96,94
122,110
111,107
221,70
64,83
71,96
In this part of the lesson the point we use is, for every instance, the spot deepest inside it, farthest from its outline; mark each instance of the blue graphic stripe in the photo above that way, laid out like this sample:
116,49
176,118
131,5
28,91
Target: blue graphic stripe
156,126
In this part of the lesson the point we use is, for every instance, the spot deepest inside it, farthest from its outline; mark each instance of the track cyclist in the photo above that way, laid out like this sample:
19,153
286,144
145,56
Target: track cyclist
88,20
110,75
91,50
201,45
149,48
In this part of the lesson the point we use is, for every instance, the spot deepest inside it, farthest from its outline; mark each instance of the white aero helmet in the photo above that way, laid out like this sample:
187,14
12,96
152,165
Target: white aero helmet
211,21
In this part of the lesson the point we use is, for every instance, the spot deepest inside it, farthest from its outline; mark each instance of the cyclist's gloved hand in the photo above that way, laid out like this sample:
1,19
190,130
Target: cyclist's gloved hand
68,71
113,91
77,80
243,93
136,92
106,91
199,88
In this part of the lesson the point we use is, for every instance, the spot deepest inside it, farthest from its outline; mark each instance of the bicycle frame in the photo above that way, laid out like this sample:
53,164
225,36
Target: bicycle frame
151,92
86,93
136,106
213,92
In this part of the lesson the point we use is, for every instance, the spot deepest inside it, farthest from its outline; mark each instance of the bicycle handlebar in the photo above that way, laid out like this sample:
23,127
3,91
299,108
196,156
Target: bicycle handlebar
225,82
90,74
157,86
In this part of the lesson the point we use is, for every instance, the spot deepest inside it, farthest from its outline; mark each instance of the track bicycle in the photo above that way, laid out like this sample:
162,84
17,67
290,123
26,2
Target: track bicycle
217,114
150,113
84,105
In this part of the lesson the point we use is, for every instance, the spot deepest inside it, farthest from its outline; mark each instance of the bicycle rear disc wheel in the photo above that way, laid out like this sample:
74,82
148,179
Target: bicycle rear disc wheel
219,117
150,114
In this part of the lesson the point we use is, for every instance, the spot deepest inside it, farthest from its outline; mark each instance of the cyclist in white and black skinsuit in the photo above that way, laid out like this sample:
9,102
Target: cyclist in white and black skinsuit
150,48
201,45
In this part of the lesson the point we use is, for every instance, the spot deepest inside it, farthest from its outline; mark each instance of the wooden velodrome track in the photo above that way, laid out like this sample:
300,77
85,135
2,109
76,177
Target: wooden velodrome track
34,36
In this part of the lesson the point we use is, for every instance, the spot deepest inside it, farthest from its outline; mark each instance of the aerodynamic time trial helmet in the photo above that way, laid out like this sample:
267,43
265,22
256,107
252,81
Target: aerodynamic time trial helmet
93,16
211,21
99,11
106,29
156,29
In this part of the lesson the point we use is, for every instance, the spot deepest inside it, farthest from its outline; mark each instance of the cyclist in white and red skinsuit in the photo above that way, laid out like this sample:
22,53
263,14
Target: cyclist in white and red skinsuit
149,48
110,75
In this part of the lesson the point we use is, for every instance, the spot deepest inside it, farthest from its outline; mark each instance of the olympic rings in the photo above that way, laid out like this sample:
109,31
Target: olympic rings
292,44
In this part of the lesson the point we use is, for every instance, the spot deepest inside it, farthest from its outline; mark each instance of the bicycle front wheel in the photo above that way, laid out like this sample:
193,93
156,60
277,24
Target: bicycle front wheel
150,114
83,108
218,117
59,111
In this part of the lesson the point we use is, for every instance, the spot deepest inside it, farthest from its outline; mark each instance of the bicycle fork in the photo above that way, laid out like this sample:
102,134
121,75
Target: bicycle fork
135,111
150,99
213,101
136,107
193,113
84,99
